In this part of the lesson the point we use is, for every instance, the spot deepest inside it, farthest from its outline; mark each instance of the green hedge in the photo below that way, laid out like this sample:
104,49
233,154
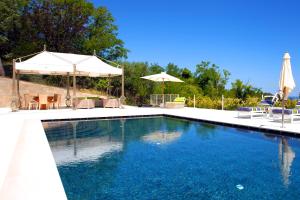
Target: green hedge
229,103
232,103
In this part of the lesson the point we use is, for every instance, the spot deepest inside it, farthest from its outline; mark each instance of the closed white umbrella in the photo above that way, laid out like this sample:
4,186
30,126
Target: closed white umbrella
286,158
162,77
286,81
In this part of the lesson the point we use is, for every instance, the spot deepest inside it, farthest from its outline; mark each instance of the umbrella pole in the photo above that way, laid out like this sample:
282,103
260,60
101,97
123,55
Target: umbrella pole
74,87
163,92
13,98
18,89
282,112
68,96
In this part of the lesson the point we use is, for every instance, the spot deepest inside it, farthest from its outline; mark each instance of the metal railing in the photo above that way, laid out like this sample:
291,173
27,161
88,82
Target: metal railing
158,99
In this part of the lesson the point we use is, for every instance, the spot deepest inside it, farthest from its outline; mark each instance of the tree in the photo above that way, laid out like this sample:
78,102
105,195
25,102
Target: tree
137,90
155,69
65,26
102,36
173,70
9,25
186,73
243,91
210,79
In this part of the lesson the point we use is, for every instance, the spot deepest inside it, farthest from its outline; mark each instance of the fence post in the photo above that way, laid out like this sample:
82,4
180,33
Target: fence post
194,101
222,102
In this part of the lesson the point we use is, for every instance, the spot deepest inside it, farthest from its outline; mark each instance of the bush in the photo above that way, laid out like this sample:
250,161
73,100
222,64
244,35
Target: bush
288,104
229,103
232,103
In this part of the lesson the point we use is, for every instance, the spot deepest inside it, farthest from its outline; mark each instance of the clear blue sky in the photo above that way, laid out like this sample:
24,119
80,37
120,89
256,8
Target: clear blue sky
248,38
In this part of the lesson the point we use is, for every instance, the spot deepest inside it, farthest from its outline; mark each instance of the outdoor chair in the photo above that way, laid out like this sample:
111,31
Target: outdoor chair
298,104
29,102
179,102
43,100
289,114
251,112
56,101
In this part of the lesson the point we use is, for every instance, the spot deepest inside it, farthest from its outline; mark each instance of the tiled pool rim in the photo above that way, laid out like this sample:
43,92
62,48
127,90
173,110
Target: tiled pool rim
241,126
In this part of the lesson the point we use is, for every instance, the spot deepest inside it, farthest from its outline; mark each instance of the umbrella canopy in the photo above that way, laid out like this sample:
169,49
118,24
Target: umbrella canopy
286,81
54,63
94,67
162,77
45,63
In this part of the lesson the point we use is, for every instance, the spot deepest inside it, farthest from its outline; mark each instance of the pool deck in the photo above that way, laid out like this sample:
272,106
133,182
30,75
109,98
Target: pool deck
27,166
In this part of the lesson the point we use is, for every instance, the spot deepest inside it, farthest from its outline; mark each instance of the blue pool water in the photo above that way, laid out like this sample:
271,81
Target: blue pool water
167,158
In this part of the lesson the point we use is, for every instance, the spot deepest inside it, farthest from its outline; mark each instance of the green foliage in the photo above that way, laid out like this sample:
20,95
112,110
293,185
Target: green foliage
138,90
173,70
65,26
210,79
290,103
10,25
102,84
243,91
183,89
229,103
186,73
102,36
155,69
287,104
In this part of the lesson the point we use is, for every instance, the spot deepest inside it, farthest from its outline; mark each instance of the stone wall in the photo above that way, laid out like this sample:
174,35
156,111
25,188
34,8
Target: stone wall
31,88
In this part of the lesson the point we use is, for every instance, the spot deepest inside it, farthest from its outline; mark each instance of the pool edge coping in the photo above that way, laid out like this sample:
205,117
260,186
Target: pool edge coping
227,124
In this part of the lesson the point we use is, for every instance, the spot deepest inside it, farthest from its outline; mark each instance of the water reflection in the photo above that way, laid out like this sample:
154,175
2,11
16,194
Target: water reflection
67,150
77,141
286,157
206,130
162,137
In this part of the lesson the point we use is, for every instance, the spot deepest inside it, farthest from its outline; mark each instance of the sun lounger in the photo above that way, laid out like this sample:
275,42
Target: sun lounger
251,112
289,114
179,102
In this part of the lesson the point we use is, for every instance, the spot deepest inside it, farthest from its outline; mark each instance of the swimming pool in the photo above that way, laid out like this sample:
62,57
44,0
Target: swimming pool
169,158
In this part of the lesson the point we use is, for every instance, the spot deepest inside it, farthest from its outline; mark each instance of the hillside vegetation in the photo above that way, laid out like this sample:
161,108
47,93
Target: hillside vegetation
78,26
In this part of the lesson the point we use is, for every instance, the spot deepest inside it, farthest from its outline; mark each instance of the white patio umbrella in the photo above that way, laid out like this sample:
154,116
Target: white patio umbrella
286,81
162,77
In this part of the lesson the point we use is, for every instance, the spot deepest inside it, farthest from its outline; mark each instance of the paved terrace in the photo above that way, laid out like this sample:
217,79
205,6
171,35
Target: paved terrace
28,169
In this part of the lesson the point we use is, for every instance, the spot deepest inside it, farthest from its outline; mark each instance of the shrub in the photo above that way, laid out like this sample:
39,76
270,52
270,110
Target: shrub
229,103
288,104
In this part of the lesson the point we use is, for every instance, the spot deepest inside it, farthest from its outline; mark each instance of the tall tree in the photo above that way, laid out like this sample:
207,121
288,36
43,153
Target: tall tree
186,73
64,25
10,25
173,70
243,91
102,35
211,79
